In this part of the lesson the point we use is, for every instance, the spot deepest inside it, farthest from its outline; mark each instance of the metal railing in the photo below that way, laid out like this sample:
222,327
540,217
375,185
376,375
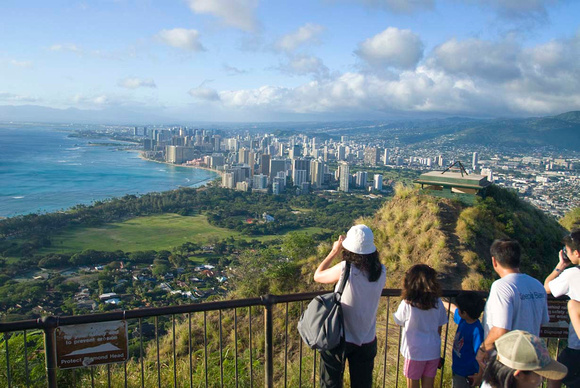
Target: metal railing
206,344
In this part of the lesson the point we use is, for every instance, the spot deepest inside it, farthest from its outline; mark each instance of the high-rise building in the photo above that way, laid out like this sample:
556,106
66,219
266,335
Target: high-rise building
179,154
277,165
378,182
299,177
295,151
316,173
265,164
260,181
386,156
244,156
371,156
361,179
216,161
341,153
301,164
228,180
344,174
475,160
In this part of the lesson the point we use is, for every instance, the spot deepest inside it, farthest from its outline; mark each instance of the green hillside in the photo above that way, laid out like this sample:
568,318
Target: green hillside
415,227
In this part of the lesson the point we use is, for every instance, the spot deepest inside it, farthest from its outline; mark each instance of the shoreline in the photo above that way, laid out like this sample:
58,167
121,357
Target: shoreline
220,173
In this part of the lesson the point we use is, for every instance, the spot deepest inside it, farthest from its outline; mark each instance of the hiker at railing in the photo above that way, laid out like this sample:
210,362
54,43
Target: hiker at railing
574,312
359,301
516,301
565,280
522,361
422,315
468,338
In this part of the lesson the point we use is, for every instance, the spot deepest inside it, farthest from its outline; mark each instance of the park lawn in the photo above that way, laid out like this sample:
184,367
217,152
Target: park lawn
158,232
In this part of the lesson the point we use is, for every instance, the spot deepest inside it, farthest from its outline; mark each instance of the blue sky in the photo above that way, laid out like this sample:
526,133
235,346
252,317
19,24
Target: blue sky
258,60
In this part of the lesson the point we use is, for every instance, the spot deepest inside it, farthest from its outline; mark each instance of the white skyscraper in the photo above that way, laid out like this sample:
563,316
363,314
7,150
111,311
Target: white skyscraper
344,173
475,161
386,156
378,183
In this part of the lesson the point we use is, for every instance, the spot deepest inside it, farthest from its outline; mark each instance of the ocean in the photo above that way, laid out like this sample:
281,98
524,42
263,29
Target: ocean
44,170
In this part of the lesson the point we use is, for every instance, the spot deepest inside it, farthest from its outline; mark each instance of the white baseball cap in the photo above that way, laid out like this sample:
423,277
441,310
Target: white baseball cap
360,240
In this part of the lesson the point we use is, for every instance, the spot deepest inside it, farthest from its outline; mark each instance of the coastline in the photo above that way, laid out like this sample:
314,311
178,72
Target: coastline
141,155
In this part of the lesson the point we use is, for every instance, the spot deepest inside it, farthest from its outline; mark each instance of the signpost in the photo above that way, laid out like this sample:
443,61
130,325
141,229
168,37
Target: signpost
91,344
559,320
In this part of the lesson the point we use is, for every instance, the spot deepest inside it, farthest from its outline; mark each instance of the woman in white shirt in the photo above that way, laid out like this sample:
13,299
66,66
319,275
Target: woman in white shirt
360,301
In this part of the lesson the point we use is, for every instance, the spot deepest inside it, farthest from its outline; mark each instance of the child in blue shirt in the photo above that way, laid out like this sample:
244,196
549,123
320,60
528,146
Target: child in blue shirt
469,336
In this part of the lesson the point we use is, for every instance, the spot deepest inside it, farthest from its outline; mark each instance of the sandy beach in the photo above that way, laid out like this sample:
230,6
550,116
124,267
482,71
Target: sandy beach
142,156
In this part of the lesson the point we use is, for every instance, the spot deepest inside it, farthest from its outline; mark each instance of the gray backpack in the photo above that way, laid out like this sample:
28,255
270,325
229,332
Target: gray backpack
321,325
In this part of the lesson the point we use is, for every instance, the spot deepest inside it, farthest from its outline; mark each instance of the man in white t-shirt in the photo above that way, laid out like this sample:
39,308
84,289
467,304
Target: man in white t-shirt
565,280
516,301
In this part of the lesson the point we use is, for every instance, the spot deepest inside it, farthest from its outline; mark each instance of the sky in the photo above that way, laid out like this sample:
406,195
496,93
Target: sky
260,60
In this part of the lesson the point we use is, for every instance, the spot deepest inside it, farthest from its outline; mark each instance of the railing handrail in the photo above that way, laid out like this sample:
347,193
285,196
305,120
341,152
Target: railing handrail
147,312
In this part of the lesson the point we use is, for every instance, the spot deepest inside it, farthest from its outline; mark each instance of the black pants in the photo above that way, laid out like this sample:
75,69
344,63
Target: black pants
571,358
360,365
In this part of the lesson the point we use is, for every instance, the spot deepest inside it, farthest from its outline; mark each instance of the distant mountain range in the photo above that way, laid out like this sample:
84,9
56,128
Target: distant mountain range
562,131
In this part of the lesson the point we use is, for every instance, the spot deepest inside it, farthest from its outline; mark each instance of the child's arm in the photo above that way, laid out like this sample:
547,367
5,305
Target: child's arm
449,306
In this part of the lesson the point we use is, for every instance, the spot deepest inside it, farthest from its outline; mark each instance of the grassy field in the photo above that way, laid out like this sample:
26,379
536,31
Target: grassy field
157,232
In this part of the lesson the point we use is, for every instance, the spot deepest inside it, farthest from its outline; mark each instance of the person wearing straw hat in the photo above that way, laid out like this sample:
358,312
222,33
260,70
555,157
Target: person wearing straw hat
522,361
359,301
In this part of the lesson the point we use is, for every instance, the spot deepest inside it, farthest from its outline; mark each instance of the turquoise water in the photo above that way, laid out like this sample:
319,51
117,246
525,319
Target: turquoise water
43,170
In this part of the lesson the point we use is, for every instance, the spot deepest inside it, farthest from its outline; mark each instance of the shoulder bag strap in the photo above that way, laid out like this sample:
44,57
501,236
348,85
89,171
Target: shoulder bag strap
344,278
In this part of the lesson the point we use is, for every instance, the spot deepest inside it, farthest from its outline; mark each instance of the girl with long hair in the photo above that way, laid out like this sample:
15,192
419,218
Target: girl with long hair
422,314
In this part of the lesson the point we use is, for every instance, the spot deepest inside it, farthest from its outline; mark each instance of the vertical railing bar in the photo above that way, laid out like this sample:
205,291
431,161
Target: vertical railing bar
141,354
557,347
205,346
268,303
190,355
157,345
74,375
26,371
221,351
251,349
286,350
109,375
314,369
92,377
174,352
445,347
125,371
386,341
8,376
398,358
300,353
236,345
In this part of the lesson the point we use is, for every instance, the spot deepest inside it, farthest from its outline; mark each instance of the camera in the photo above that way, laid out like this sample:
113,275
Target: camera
565,255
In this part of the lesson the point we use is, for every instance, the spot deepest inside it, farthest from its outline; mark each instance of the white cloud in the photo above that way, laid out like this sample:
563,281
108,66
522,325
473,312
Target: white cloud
392,47
92,101
234,13
308,33
472,77
181,38
494,61
518,8
67,47
305,65
232,70
12,97
204,93
24,64
398,6
134,83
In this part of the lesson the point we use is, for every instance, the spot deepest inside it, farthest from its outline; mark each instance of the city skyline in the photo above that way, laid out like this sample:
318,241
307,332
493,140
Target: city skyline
251,60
